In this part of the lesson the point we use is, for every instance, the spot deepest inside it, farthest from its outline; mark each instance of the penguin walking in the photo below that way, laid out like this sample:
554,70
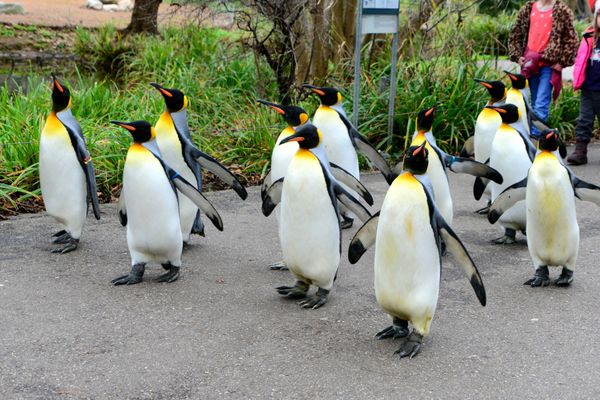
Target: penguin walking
283,153
309,225
549,191
439,161
407,234
512,154
67,177
176,147
148,206
341,139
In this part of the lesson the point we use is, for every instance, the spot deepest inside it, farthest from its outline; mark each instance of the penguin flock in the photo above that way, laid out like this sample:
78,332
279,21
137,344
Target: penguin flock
315,190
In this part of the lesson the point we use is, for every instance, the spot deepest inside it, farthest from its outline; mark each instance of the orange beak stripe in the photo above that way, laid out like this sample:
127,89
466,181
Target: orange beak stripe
500,110
549,135
58,86
487,85
278,110
512,77
318,91
417,150
129,127
297,139
428,113
165,92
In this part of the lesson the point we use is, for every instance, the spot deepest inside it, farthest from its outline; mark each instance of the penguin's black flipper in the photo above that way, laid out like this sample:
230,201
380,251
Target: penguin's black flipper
265,185
350,202
460,254
220,171
188,190
272,197
365,147
508,198
479,187
122,211
462,165
83,156
363,239
349,180
586,191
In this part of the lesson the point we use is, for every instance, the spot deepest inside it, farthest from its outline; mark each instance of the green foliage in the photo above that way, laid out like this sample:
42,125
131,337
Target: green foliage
488,34
494,7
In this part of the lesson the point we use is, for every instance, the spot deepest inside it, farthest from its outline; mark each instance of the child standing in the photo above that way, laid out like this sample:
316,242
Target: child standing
586,76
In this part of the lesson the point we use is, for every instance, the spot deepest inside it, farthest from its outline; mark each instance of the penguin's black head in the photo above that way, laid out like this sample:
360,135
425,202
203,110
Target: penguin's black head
141,131
329,96
496,89
175,100
61,97
518,81
294,116
549,140
415,159
508,112
425,119
307,136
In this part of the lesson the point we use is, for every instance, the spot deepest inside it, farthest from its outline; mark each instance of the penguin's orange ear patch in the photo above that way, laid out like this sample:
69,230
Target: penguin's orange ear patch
165,92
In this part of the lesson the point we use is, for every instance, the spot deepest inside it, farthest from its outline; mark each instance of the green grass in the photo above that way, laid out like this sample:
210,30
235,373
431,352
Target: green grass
220,78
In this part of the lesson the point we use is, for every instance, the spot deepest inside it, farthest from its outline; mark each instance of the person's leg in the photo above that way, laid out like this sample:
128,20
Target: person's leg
583,130
543,96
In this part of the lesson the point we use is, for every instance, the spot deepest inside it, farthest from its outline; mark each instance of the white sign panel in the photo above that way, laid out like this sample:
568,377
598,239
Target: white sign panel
380,16
381,4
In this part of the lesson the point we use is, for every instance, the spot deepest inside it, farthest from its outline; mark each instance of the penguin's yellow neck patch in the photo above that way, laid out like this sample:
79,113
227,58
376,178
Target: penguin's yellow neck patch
53,126
304,154
488,113
288,131
165,125
545,156
137,154
406,178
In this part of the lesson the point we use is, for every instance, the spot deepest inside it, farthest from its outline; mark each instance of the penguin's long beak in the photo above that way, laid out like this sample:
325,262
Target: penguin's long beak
484,83
430,111
293,138
161,89
314,89
56,84
124,125
498,109
419,149
510,75
274,106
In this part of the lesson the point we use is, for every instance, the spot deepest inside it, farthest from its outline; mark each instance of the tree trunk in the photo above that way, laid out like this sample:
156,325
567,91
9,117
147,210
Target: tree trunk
303,31
144,18
320,58
415,21
343,22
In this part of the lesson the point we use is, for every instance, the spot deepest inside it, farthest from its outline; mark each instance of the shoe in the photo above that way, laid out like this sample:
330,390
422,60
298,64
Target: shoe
579,155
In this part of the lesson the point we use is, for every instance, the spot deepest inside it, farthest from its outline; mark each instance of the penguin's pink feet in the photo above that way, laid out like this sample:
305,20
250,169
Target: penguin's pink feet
541,277
411,346
316,301
135,276
399,329
298,291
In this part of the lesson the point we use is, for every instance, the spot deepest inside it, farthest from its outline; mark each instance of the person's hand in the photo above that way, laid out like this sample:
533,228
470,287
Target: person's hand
521,61
557,67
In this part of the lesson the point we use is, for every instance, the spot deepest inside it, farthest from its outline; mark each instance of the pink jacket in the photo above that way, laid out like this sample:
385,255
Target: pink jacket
583,55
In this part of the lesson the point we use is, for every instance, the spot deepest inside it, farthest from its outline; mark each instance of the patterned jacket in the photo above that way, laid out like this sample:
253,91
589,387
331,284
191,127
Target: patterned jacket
562,47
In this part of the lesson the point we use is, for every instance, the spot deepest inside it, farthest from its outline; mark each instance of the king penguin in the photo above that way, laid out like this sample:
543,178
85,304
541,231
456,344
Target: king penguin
148,206
512,154
439,161
341,138
487,123
309,226
176,147
67,177
549,191
518,95
407,234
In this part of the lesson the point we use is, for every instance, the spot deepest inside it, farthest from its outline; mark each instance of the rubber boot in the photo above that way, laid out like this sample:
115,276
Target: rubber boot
579,155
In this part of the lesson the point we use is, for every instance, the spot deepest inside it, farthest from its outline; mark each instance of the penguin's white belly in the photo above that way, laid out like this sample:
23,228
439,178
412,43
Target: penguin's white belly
441,188
280,161
407,263
172,154
337,142
153,228
62,182
309,227
552,229
485,129
515,97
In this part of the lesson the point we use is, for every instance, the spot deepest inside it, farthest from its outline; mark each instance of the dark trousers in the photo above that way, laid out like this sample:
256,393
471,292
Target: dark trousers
589,110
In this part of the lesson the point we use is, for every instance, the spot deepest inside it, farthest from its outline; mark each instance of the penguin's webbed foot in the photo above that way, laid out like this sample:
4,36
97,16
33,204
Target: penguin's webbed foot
59,233
565,278
398,330
508,238
278,266
298,291
411,346
61,237
316,301
70,244
541,277
346,222
170,276
483,211
135,276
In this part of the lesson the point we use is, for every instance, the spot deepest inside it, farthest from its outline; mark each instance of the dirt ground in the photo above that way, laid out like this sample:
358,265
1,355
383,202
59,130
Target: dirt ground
74,13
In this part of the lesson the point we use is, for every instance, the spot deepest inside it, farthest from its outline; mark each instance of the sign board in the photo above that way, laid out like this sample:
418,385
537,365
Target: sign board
380,16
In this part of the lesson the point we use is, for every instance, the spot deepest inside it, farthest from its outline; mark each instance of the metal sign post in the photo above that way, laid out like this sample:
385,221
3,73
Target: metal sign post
376,16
